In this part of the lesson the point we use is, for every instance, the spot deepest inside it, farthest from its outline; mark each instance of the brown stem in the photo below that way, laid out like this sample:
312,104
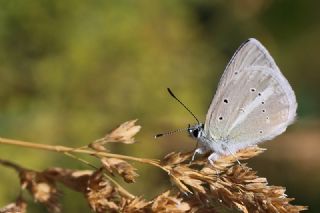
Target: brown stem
58,148
11,165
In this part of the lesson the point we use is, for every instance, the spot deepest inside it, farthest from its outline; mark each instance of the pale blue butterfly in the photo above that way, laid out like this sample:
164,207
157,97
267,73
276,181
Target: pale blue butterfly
253,103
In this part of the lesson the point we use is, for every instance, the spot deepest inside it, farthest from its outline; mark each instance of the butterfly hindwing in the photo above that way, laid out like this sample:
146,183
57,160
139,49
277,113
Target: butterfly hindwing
254,102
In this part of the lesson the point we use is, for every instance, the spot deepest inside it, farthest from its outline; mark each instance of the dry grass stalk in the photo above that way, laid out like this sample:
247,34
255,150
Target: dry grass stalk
196,186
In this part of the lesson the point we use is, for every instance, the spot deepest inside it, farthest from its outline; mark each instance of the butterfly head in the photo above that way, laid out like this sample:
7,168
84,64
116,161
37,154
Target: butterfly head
195,131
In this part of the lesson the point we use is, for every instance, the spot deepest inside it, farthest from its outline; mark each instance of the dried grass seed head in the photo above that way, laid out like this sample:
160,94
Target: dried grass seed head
19,206
101,194
123,134
42,188
121,167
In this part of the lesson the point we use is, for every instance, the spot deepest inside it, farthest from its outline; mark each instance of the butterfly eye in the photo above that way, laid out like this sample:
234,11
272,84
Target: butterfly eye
195,133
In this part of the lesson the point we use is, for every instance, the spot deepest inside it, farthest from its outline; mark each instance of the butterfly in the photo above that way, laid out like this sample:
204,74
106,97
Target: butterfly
253,103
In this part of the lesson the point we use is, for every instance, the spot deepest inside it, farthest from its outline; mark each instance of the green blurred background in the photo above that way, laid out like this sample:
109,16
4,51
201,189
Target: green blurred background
72,70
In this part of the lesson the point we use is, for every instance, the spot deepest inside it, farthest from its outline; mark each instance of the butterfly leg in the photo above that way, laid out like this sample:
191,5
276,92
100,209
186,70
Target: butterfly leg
232,153
199,150
213,157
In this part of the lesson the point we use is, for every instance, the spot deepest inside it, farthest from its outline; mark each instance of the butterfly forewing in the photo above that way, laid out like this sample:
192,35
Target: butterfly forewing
254,102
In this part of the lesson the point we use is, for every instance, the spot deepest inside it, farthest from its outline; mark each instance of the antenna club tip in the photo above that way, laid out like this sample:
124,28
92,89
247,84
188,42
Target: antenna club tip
158,135
170,92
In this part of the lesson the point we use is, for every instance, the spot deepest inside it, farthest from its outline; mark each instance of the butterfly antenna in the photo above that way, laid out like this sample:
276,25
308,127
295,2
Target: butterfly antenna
171,93
169,133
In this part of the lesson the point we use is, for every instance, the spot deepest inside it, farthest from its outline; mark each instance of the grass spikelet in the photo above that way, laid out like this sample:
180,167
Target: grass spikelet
19,206
121,167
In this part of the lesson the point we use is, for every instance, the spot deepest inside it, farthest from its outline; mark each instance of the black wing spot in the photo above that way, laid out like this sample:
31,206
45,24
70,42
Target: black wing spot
220,118
259,94
226,101
236,73
262,102
253,89
260,131
263,110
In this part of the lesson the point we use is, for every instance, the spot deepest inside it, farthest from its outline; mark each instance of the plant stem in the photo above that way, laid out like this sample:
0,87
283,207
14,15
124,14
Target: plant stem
65,149
122,191
11,165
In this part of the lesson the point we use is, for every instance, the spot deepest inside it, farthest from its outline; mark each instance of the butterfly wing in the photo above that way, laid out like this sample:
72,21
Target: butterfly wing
254,102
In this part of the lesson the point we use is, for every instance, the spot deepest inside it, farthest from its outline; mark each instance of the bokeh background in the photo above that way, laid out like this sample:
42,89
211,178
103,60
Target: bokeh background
72,70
